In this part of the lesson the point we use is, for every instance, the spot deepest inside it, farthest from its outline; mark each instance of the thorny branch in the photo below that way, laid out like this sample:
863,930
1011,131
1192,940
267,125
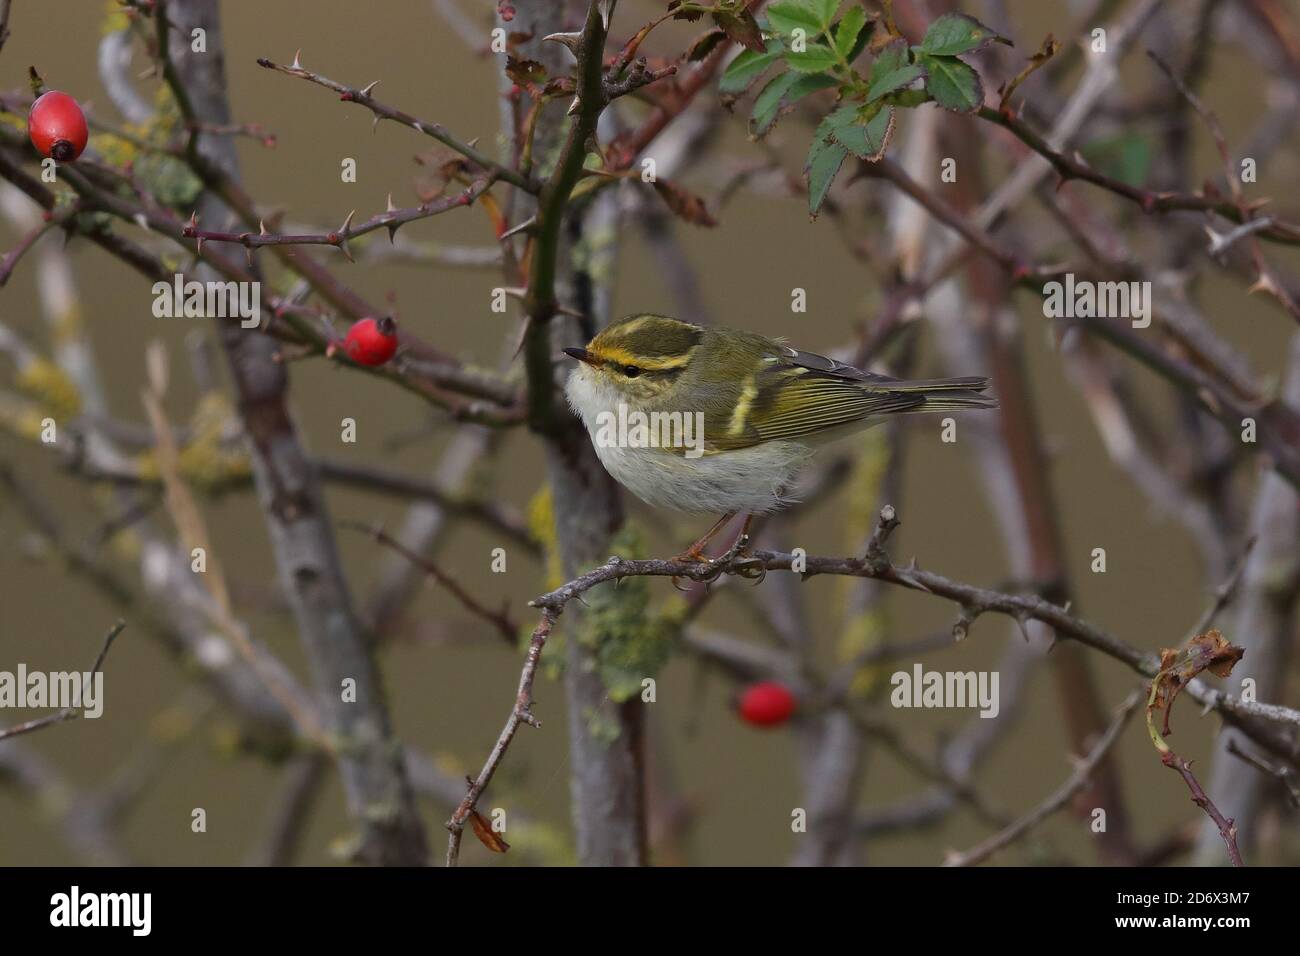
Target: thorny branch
362,97
1150,201
391,219
972,601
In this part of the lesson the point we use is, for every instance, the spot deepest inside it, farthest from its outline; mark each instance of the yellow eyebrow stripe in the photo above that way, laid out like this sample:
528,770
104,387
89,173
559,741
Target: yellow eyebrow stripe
655,364
741,414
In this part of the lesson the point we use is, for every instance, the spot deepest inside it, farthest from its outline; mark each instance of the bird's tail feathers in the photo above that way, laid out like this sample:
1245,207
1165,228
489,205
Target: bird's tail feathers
942,401
943,394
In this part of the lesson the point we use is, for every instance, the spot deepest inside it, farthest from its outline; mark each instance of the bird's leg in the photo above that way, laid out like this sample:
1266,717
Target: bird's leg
695,553
746,566
741,545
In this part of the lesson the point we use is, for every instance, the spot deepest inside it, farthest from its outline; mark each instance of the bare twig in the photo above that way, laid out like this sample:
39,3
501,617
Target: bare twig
1077,781
1227,829
520,713
499,619
1283,773
1223,594
52,220
69,712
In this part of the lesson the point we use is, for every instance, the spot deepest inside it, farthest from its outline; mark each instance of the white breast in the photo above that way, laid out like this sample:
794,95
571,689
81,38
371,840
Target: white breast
750,480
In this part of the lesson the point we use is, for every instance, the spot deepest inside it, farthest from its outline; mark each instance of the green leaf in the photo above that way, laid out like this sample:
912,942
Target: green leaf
814,17
908,99
955,33
816,58
779,94
864,133
705,44
953,84
824,161
789,15
847,31
747,67
767,105
824,10
891,71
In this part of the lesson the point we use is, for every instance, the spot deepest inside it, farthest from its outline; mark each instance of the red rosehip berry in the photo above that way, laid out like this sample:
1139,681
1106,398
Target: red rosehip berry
371,341
767,704
57,126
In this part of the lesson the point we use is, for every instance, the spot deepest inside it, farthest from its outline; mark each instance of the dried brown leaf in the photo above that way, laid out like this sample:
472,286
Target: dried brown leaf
741,27
1210,651
526,73
486,835
703,45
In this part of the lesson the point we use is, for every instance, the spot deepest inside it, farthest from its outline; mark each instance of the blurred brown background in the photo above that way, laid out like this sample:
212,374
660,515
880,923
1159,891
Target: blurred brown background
450,691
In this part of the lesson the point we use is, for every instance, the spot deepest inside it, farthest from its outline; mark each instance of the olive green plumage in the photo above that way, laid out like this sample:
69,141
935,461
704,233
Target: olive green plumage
749,410
753,389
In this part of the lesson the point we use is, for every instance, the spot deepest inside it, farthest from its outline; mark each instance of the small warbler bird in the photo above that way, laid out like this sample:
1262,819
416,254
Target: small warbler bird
709,420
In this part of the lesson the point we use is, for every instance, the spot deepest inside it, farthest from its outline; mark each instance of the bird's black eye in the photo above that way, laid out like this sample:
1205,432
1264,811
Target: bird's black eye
631,371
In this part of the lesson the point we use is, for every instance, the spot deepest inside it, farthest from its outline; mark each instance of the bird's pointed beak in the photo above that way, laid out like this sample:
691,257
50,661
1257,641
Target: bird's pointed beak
582,355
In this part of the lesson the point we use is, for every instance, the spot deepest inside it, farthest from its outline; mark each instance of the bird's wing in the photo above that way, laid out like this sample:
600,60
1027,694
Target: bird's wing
795,394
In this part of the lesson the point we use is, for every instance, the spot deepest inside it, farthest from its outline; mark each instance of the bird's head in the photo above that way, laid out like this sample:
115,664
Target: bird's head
641,356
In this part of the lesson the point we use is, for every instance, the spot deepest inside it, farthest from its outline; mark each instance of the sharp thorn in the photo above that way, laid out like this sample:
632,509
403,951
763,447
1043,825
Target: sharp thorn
570,40
365,90
521,227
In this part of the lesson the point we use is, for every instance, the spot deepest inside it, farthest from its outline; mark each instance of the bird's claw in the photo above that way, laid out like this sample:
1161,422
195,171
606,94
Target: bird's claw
742,548
750,568
735,560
